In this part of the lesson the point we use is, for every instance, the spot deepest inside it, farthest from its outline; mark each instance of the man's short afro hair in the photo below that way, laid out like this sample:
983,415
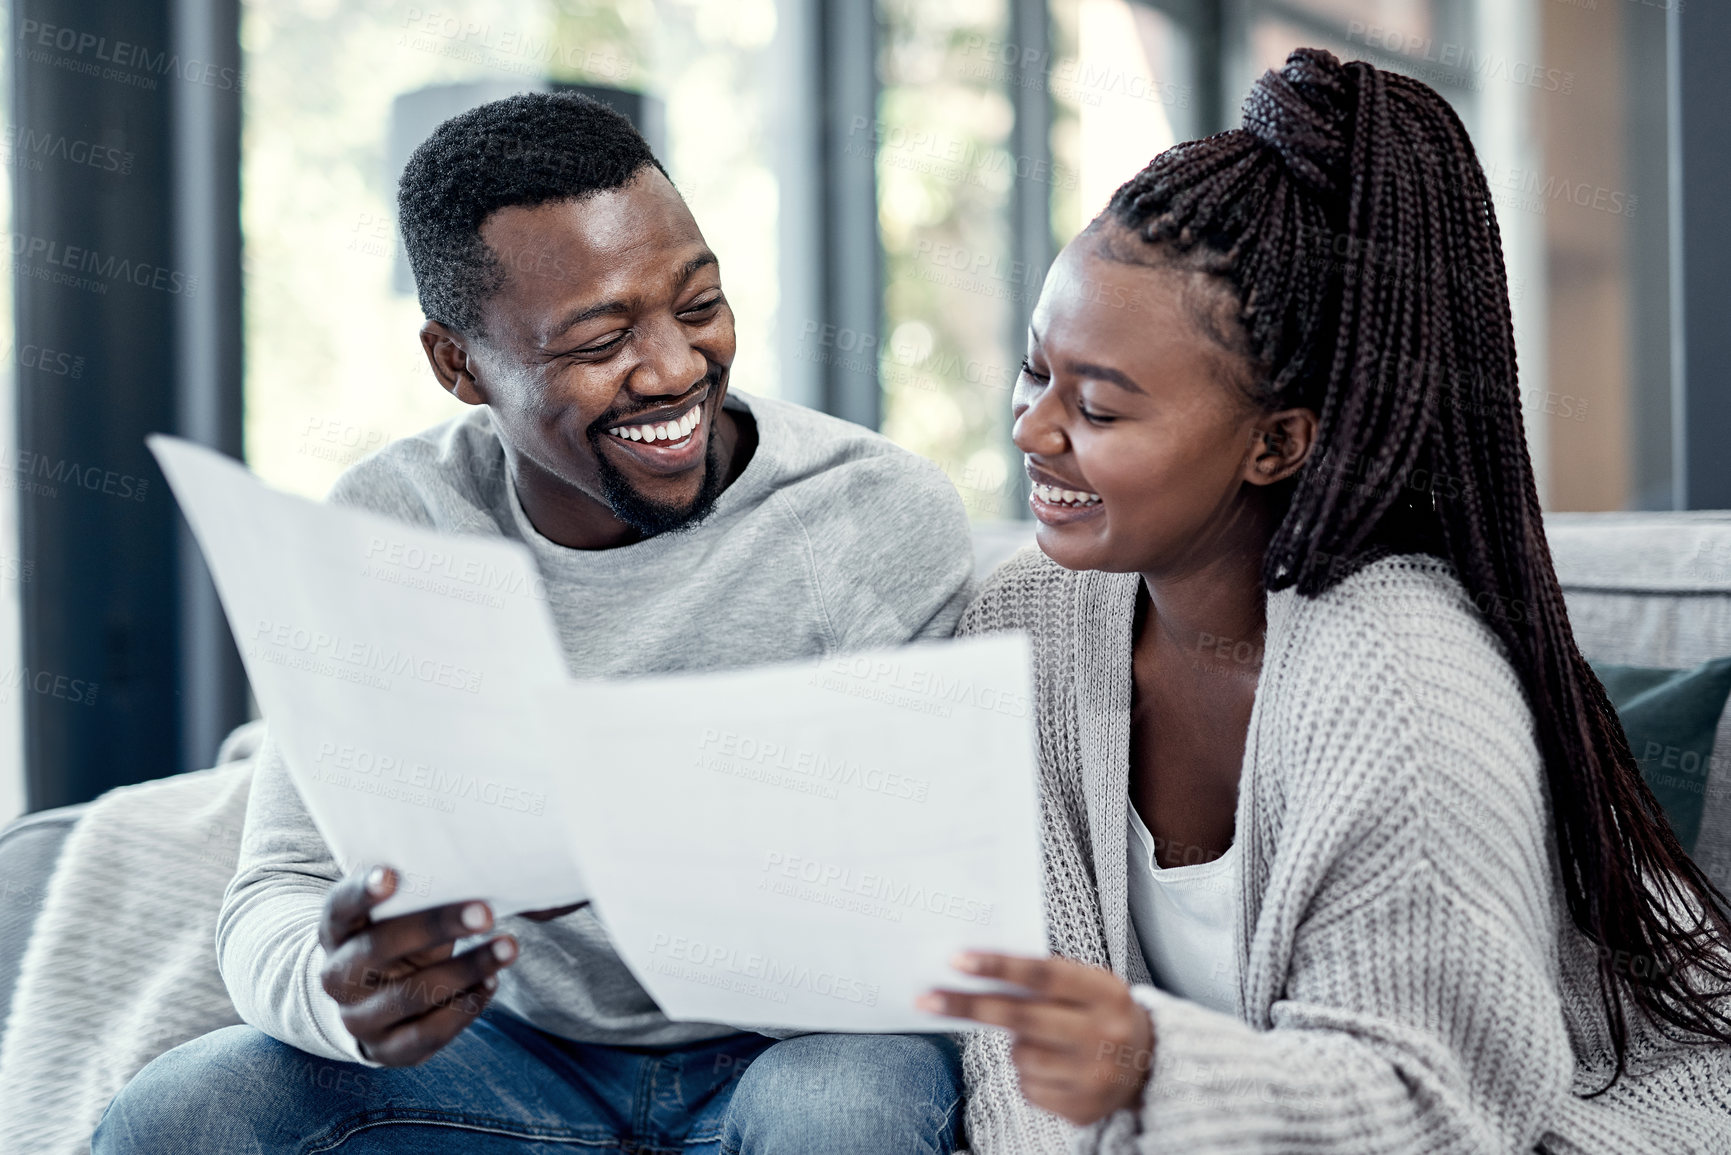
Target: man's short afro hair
525,150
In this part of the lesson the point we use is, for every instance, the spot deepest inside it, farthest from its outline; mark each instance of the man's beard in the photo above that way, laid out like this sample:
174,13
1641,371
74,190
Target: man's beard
650,517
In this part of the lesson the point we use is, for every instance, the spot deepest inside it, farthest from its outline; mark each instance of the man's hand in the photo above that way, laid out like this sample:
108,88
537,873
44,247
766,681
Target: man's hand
1083,1047
403,992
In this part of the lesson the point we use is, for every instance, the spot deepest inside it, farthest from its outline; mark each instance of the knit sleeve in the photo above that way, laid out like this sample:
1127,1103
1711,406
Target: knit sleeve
999,1120
267,939
1419,1010
1024,594
1013,596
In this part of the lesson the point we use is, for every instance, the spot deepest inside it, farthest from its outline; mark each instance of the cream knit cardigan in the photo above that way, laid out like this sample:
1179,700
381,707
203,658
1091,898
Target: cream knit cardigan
1409,978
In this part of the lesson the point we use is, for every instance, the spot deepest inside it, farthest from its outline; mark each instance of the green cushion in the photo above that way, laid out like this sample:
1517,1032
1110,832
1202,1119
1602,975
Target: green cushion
1671,717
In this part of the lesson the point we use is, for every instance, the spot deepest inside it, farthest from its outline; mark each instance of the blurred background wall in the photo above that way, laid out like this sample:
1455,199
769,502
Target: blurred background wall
200,213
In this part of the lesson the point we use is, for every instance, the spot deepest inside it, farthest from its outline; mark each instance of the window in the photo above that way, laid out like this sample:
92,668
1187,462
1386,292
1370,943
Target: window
954,290
1565,101
1566,104
1124,90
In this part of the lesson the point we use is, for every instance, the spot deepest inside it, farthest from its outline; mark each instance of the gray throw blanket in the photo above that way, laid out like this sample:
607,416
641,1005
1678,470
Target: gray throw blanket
121,965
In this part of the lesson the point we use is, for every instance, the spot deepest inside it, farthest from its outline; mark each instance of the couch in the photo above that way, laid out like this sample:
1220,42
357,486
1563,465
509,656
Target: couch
1648,589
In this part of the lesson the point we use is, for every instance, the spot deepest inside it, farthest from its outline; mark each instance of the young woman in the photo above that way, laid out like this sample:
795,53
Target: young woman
1346,851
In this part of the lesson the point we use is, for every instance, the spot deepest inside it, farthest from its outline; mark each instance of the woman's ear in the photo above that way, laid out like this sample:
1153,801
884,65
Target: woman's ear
1280,443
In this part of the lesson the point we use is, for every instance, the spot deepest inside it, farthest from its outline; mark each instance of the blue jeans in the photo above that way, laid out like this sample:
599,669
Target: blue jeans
504,1088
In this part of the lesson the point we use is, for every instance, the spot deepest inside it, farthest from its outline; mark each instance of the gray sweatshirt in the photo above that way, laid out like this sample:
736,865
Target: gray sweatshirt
831,539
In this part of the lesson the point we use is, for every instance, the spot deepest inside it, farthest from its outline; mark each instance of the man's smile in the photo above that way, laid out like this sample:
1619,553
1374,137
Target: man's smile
664,441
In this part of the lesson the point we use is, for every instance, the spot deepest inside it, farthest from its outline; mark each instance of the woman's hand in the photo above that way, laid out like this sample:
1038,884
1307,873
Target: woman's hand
1083,1047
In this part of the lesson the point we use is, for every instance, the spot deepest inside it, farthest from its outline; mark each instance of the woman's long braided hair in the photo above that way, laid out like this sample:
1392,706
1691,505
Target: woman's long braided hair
1352,220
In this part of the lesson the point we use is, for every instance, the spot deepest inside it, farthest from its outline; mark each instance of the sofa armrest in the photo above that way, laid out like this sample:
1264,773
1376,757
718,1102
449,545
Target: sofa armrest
29,848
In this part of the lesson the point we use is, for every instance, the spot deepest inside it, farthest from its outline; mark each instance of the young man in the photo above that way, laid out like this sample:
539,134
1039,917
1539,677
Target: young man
571,299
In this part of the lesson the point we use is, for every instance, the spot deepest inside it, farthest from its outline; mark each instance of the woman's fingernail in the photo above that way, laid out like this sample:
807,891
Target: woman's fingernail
966,961
490,983
475,916
504,949
376,880
932,1003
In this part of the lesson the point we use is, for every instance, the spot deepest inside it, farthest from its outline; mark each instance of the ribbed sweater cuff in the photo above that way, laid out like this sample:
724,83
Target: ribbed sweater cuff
327,1016
1196,1052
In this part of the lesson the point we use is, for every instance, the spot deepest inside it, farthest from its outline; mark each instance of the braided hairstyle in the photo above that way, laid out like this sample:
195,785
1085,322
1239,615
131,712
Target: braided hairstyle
1350,222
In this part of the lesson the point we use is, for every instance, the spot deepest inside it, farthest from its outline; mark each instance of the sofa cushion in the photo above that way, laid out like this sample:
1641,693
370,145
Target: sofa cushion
1671,718
1654,590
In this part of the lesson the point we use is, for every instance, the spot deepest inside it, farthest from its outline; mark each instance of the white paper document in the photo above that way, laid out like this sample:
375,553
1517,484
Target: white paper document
398,668
801,846
808,845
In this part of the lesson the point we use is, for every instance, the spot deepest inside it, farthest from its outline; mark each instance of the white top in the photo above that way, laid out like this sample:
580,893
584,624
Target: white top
1183,916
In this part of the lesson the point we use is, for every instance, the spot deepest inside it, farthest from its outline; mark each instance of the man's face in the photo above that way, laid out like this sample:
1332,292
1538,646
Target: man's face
605,361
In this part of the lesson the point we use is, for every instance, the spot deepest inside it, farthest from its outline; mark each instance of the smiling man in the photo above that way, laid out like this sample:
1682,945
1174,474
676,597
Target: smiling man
572,301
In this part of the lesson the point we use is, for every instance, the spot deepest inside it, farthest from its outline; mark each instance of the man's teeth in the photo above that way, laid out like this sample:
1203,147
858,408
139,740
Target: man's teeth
1056,496
666,431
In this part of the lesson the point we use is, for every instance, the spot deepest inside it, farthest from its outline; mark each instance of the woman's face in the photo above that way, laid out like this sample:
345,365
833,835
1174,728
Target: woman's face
1127,405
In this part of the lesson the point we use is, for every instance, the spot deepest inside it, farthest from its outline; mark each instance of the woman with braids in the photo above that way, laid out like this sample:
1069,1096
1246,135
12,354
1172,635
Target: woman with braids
1345,847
